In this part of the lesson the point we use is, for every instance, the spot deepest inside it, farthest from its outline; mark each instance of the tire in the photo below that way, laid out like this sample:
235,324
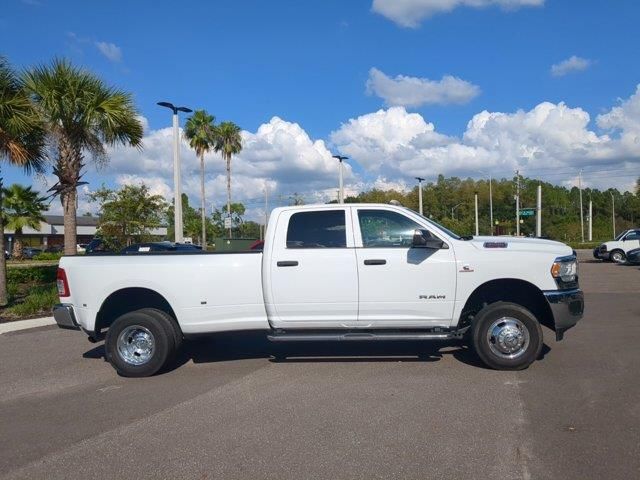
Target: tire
154,344
178,337
519,329
617,256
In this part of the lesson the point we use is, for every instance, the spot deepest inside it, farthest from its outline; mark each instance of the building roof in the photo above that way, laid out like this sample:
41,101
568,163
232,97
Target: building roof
82,221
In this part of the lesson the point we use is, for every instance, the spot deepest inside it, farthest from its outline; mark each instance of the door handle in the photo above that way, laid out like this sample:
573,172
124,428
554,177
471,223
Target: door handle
375,262
288,263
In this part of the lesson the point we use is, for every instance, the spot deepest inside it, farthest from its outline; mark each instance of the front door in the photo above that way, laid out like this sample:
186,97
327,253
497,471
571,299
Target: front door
400,286
313,274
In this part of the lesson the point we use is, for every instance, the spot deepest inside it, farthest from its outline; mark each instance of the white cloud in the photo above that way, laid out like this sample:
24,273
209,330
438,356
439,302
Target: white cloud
280,154
548,141
409,13
570,65
414,92
111,51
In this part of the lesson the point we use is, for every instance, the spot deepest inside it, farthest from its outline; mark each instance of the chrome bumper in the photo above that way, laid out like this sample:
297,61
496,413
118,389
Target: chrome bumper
567,307
64,317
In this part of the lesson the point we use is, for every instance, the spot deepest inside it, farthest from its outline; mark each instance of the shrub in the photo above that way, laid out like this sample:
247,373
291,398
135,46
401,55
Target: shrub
48,256
31,274
40,299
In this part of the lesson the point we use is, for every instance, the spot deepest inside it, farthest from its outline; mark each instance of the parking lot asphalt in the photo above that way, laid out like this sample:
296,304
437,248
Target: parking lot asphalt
231,410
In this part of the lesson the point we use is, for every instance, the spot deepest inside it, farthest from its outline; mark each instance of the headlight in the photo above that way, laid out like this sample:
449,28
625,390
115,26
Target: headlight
565,268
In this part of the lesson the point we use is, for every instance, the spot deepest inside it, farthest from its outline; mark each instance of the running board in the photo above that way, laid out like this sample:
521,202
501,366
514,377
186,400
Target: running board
333,336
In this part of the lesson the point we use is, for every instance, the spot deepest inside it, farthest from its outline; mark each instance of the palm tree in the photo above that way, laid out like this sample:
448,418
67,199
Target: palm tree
228,142
21,142
23,208
200,131
82,115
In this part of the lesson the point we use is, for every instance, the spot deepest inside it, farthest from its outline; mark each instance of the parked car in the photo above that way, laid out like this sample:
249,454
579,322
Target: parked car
96,246
257,245
54,249
81,247
30,252
327,273
616,250
633,256
150,247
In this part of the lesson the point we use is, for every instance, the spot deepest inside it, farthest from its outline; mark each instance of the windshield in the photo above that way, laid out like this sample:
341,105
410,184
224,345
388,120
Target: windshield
436,224
620,235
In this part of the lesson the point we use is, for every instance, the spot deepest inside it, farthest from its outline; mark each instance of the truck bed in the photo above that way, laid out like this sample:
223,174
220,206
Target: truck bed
208,291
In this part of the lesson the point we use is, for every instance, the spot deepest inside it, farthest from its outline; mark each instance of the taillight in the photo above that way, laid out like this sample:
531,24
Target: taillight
62,283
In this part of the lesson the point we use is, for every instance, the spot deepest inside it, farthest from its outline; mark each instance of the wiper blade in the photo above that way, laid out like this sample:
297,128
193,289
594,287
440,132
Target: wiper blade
467,237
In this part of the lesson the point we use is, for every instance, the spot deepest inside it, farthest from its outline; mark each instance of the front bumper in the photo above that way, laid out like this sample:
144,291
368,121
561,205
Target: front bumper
64,317
567,307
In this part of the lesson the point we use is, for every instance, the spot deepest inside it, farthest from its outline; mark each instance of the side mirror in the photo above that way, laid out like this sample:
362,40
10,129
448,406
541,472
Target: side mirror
424,239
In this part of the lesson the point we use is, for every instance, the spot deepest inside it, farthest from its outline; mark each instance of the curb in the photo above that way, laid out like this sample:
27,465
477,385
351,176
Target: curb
26,324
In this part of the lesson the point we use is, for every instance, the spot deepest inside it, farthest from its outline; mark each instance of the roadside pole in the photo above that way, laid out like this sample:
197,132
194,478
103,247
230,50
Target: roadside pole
581,210
539,213
613,214
517,203
590,220
420,180
476,202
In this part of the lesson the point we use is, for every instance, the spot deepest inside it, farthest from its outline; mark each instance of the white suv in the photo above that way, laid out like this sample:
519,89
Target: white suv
616,250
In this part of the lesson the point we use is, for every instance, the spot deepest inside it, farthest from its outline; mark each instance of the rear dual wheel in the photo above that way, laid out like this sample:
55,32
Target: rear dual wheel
142,342
506,336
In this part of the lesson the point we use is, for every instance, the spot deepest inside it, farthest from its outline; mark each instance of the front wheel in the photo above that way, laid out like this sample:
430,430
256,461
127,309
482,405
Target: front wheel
507,336
618,256
139,344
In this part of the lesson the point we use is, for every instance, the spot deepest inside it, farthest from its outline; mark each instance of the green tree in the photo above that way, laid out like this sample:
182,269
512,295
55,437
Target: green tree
200,131
228,142
237,212
82,115
191,219
23,207
21,142
128,215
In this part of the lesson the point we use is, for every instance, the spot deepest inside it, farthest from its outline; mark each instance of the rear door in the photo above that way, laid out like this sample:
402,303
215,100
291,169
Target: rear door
313,278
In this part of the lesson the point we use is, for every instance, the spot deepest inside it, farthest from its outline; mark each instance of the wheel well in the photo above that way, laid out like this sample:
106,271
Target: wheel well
508,290
128,300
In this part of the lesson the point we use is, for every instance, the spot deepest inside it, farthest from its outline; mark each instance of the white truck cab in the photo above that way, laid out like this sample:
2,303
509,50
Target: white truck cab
330,272
616,250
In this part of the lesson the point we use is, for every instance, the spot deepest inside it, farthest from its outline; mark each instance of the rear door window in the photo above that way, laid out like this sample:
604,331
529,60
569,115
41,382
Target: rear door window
322,229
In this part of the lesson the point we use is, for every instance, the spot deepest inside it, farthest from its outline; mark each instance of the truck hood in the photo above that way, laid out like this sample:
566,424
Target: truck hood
524,244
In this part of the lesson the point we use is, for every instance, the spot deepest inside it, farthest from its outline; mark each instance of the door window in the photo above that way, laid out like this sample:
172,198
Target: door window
323,229
386,229
633,235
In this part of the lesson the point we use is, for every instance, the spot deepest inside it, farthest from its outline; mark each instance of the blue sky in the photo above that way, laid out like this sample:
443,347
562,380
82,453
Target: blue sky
309,63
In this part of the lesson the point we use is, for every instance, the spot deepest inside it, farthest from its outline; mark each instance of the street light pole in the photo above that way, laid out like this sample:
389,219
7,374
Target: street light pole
420,180
340,159
177,182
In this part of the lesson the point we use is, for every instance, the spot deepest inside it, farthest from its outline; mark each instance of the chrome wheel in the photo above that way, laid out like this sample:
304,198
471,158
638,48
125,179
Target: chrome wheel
136,345
508,337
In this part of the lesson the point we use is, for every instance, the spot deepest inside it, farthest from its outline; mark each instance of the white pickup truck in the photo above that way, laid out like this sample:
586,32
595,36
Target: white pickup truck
616,250
329,273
